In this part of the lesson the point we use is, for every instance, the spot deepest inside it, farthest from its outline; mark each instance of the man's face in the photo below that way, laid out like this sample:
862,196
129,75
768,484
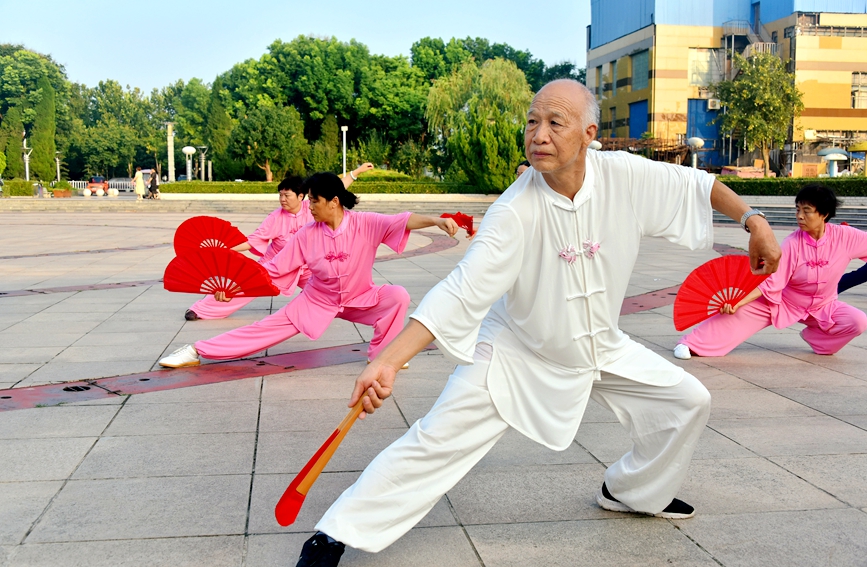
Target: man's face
555,137
521,169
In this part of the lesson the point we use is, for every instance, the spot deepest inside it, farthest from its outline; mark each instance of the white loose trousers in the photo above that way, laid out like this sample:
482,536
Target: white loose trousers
403,483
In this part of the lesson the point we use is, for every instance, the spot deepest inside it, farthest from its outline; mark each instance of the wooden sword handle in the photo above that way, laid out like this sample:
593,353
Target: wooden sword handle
332,444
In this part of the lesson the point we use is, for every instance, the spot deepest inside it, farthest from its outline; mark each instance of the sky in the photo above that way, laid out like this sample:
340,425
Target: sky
152,44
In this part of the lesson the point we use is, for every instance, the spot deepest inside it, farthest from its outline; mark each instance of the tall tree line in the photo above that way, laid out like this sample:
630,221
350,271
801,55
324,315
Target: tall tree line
281,113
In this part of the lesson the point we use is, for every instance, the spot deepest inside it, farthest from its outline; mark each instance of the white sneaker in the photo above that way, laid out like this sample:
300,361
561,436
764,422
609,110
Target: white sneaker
184,356
681,351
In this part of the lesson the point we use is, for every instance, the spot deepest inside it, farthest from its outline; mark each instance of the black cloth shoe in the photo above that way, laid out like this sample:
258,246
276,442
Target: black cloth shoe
190,315
318,552
677,510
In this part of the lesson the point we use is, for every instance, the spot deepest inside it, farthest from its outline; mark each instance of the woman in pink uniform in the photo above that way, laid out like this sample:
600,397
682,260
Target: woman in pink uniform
339,248
267,241
802,290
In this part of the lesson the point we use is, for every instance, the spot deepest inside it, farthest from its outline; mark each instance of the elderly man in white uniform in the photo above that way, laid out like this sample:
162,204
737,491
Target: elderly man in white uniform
530,315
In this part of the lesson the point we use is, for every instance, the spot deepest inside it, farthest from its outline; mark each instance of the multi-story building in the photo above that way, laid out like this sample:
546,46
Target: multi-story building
650,63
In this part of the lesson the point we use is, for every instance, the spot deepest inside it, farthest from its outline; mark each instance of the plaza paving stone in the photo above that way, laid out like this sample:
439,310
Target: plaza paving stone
190,476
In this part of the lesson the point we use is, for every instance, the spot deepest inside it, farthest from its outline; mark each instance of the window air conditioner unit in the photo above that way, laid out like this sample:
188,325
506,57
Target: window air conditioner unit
713,104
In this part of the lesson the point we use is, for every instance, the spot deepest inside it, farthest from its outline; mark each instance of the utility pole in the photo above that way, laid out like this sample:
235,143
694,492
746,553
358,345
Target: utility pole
170,143
344,129
57,161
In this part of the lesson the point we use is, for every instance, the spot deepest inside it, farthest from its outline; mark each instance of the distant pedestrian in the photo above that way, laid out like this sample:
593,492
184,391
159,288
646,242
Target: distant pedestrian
522,167
154,185
138,184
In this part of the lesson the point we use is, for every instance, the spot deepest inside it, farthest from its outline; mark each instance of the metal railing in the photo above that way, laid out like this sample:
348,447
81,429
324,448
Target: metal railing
78,184
760,47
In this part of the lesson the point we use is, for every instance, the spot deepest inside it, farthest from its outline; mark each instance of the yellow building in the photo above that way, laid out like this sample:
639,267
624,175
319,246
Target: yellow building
650,63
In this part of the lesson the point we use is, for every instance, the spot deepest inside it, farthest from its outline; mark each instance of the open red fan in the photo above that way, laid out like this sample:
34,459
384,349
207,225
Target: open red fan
707,288
206,232
208,270
462,220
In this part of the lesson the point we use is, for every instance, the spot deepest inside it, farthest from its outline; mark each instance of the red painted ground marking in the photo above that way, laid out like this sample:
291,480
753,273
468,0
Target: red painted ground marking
439,242
46,290
648,301
726,250
105,251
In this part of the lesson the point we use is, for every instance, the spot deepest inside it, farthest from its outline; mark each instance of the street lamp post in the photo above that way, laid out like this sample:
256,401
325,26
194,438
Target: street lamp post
189,151
57,161
344,129
27,152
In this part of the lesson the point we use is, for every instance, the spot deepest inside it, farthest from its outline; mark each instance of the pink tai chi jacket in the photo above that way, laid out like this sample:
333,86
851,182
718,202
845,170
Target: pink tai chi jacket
341,265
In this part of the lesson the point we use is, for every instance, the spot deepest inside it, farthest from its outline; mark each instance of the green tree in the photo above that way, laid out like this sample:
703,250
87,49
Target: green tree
2,163
324,153
42,136
480,114
218,129
271,138
411,158
761,102
374,148
12,135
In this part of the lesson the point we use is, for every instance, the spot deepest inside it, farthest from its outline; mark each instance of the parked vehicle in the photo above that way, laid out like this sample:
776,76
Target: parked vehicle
97,182
121,183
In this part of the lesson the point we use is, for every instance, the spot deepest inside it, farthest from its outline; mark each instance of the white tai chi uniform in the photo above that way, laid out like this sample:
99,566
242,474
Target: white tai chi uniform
535,301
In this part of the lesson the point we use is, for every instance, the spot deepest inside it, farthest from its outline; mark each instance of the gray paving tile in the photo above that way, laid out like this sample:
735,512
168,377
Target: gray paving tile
28,355
324,415
268,488
21,503
220,551
528,494
55,422
178,418
609,441
734,486
246,390
793,435
169,455
137,508
125,339
25,340
856,420
16,372
755,403
41,459
114,353
828,399
302,386
588,543
782,539
413,409
288,452
843,476
514,449
71,371
421,547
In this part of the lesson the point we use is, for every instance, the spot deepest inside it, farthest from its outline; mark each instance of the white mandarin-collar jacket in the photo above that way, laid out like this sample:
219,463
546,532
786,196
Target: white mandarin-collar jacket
544,279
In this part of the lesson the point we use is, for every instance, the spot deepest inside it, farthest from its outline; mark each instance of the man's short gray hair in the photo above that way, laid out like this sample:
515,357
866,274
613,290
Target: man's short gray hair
590,109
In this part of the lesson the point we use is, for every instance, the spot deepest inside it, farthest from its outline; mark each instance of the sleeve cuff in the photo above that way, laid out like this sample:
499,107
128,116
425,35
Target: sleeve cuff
449,350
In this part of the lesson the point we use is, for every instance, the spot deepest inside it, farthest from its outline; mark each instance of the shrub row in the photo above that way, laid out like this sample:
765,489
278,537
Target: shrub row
395,186
789,186
17,188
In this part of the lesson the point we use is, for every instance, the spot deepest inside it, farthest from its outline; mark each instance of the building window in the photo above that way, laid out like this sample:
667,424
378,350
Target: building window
859,90
774,37
705,66
640,63
613,67
599,82
613,122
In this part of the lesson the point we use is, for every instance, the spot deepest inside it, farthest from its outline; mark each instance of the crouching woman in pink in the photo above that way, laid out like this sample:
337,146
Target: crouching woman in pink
802,290
339,248
267,241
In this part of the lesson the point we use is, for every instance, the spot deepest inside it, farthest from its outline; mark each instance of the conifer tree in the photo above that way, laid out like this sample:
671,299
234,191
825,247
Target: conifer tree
42,165
12,131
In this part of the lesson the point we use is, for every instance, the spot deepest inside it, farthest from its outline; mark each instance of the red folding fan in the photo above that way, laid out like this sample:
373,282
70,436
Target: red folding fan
462,220
707,288
206,232
208,270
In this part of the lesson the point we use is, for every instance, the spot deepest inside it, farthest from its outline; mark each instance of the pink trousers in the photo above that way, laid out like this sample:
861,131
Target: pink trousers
721,333
386,318
210,308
